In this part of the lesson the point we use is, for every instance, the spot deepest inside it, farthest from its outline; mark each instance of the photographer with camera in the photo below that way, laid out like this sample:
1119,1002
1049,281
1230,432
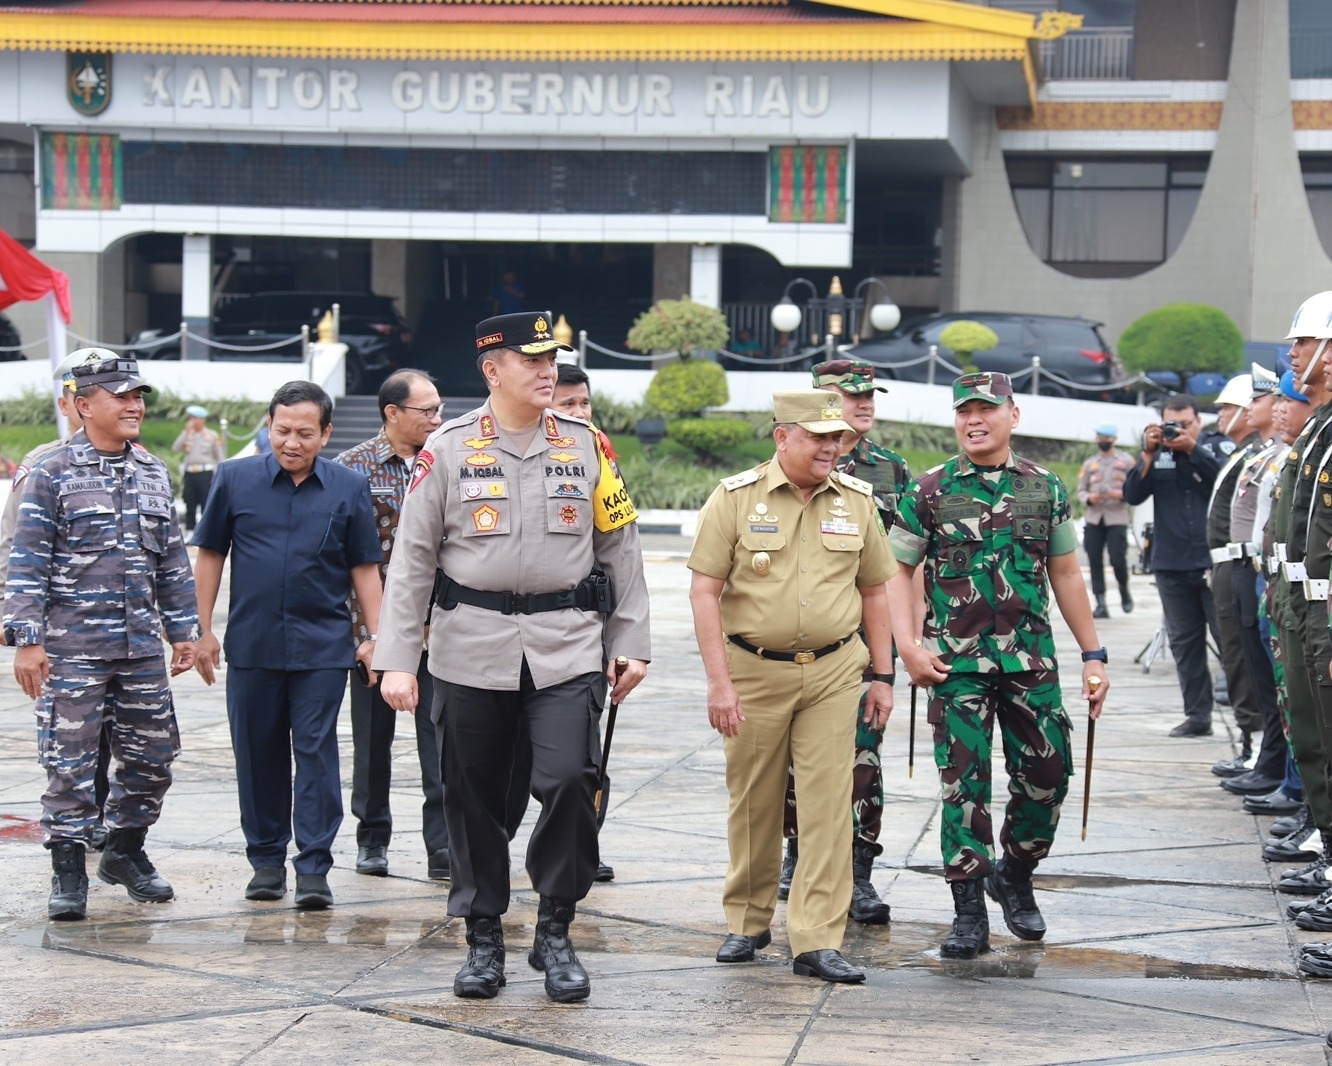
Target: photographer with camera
1178,472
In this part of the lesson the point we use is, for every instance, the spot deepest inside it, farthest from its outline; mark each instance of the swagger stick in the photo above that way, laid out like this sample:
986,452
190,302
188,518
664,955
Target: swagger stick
620,663
1093,683
911,737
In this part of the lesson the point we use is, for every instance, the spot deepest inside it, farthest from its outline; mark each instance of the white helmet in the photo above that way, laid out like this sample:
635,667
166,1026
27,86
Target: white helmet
1313,319
1238,391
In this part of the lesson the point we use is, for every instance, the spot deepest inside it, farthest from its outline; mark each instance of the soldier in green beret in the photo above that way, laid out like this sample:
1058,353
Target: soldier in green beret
994,534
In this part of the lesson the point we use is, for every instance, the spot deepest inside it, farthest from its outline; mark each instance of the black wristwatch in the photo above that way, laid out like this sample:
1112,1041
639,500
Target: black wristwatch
1097,656
887,679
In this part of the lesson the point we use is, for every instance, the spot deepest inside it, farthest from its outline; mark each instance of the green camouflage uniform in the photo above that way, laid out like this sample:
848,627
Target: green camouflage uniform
984,536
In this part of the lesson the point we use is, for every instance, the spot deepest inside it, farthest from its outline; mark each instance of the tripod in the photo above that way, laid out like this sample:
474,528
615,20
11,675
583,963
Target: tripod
1159,643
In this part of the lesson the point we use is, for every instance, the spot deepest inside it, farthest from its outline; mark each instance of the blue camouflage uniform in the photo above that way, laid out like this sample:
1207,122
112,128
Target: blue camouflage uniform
97,573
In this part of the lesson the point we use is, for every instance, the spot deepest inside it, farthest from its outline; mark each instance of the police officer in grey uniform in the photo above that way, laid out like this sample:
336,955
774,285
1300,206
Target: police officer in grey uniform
98,572
514,504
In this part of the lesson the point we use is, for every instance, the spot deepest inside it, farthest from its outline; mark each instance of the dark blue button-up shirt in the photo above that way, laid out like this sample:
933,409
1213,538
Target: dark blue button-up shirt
292,551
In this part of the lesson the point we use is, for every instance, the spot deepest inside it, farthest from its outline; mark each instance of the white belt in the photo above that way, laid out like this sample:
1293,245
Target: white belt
1294,572
1280,551
1273,565
1220,555
1315,588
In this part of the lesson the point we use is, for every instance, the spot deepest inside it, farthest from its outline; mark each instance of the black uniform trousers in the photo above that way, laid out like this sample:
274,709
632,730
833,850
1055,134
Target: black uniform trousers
194,489
1240,682
1186,602
482,728
1271,760
1098,539
374,723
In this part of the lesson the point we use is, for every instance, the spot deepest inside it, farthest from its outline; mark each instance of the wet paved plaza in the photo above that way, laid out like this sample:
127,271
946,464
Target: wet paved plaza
1167,940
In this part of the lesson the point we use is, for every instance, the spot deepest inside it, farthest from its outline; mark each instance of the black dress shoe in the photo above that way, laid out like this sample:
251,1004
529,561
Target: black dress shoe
1191,727
1311,881
373,860
268,882
1231,767
740,948
438,867
605,872
1251,784
313,893
1288,823
827,964
1300,846
1276,802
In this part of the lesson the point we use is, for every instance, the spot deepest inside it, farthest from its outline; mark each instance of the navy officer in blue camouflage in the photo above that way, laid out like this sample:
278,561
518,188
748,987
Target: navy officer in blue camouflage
97,575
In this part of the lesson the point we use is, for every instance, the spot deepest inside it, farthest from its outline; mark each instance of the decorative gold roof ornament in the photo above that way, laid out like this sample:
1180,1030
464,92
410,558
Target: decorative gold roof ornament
1053,24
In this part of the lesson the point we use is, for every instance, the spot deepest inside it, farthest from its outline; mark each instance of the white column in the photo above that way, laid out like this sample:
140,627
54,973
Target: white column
705,274
196,289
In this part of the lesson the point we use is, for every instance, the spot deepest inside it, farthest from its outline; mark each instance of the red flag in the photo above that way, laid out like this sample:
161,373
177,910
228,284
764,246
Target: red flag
25,277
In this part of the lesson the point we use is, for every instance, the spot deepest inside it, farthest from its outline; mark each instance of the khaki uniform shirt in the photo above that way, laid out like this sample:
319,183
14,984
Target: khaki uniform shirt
791,568
500,519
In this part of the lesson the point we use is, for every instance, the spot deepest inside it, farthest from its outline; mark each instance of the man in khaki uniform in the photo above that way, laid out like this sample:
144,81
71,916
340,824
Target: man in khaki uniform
789,559
514,504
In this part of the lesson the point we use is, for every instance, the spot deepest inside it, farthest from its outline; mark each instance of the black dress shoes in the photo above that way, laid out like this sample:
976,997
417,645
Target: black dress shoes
1275,802
740,948
605,872
1191,727
373,860
438,867
1251,784
313,893
827,964
268,882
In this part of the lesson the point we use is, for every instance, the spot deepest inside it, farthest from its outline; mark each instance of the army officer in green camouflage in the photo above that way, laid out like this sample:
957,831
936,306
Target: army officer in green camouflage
991,529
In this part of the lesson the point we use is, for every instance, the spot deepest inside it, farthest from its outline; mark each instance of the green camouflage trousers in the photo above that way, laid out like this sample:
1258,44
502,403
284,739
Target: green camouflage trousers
866,787
1035,733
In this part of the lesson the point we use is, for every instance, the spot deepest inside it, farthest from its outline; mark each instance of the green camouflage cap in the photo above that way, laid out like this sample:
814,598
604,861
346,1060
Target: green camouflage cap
850,375
991,387
811,409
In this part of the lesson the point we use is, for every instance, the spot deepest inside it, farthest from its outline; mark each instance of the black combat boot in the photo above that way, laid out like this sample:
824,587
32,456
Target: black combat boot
566,980
69,882
1009,885
1101,610
788,867
1311,880
866,906
970,935
482,975
1125,600
124,863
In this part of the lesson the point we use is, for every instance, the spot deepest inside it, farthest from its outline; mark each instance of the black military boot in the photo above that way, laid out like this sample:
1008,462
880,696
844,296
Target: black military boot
1125,600
1009,885
482,975
1101,610
69,882
124,863
866,906
970,935
566,980
1311,880
788,867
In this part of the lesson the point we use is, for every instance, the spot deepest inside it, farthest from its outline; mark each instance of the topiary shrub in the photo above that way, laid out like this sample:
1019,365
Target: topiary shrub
679,326
686,389
713,440
965,338
1185,338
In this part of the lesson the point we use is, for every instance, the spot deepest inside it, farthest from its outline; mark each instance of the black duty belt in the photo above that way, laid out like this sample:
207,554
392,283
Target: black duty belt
804,658
583,597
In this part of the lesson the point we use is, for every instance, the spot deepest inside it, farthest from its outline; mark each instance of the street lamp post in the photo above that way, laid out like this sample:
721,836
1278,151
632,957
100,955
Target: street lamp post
836,308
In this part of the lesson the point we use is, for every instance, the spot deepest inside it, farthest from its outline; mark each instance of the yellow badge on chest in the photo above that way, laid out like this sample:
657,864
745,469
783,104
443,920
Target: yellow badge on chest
762,563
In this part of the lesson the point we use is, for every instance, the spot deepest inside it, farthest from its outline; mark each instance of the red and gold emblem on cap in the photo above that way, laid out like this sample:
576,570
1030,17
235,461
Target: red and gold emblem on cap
424,461
569,514
487,426
485,518
541,328
479,442
489,340
563,457
481,459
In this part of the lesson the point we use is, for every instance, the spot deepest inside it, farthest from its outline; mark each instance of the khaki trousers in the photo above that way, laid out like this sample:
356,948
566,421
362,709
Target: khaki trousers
803,717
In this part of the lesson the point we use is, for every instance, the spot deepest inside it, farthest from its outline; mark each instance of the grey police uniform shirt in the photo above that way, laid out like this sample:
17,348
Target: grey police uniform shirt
98,569
498,519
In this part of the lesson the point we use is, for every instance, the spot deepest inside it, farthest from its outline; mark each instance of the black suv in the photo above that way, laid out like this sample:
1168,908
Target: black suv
376,336
1072,350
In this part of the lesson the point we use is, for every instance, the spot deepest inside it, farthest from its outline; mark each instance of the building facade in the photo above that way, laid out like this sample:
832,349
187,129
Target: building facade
1099,159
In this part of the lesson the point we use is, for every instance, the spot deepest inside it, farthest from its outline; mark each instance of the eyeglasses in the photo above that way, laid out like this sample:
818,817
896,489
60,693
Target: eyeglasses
429,412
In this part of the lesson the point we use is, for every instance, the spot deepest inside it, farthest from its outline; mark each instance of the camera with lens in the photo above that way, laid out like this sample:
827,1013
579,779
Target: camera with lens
1171,430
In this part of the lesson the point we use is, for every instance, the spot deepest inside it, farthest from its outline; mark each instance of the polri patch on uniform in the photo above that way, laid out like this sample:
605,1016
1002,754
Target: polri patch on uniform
569,489
424,461
569,514
485,518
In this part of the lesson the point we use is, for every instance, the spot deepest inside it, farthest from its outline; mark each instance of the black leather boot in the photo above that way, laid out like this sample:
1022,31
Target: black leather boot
1101,610
482,975
566,980
69,882
866,906
970,935
1009,885
788,867
1125,599
124,863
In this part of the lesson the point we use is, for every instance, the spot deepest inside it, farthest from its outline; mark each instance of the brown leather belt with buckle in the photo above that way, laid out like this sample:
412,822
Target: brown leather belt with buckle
800,658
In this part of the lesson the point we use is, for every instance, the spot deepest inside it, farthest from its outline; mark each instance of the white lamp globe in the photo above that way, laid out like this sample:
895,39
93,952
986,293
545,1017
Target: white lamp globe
785,317
885,317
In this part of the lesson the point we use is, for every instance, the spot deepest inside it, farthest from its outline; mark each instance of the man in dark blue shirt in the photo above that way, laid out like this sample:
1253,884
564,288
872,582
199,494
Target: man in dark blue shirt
301,533
1178,471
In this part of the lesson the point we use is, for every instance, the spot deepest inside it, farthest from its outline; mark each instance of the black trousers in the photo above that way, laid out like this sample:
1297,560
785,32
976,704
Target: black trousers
194,489
1239,677
482,729
374,724
1099,539
1244,588
1186,602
